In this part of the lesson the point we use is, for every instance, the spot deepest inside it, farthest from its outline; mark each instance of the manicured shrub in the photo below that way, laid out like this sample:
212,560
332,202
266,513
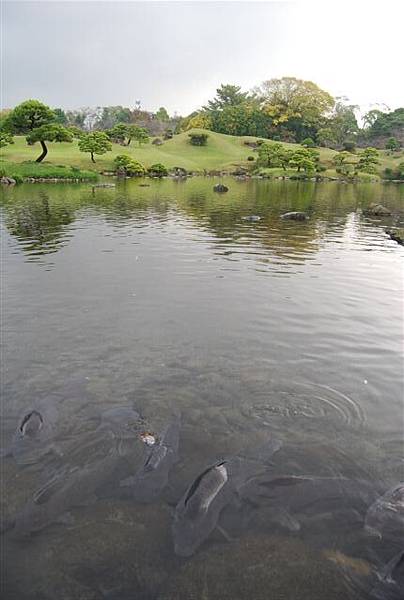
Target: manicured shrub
157,170
250,158
308,143
127,165
392,144
198,139
349,145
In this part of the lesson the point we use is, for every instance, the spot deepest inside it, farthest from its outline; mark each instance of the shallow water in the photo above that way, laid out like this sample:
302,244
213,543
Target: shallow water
163,298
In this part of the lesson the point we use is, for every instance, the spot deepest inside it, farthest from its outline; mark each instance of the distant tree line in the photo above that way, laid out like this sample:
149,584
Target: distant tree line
282,110
294,110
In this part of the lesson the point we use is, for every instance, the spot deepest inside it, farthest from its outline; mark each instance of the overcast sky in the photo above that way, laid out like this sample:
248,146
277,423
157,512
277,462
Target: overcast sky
176,54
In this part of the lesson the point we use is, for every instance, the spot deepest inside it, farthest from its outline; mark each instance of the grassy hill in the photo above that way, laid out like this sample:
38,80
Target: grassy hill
221,152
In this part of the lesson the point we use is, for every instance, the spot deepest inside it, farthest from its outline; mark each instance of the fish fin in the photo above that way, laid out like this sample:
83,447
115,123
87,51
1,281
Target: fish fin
286,480
66,519
264,453
387,573
224,533
48,490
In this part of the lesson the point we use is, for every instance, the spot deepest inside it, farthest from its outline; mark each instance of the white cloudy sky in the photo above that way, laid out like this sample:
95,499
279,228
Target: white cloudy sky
176,54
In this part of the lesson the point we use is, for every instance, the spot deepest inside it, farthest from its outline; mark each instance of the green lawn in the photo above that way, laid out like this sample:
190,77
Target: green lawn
221,152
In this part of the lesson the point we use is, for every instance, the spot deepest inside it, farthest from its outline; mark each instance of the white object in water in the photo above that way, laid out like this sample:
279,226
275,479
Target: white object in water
148,438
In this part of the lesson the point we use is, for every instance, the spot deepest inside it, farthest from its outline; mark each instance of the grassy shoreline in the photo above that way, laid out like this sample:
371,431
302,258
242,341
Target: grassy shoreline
26,171
223,153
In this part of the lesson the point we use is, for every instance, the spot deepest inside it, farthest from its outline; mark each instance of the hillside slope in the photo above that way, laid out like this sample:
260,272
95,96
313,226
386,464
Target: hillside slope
221,152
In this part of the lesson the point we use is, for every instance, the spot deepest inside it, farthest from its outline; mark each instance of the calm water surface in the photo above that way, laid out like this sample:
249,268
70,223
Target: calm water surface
165,299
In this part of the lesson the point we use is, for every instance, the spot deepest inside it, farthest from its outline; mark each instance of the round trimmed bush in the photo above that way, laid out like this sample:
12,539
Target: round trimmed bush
157,170
250,158
129,166
307,143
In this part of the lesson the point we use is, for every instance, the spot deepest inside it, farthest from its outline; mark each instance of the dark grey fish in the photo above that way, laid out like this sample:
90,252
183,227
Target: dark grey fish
34,436
289,499
391,580
152,477
385,517
68,488
197,513
295,216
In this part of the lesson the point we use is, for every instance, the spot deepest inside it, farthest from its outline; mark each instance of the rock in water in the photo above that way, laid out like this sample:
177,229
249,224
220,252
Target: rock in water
397,235
219,187
377,210
295,216
251,218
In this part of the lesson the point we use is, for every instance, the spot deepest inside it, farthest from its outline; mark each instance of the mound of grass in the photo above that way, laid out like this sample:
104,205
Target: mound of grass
222,152
21,171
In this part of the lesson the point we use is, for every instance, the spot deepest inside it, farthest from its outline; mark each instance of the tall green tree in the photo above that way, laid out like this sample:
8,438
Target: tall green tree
368,159
298,105
226,95
96,142
39,123
112,115
53,132
60,116
162,115
342,121
326,137
29,115
118,133
139,134
304,158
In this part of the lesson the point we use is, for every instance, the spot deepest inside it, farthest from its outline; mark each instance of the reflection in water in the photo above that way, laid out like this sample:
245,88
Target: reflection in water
161,303
39,220
39,224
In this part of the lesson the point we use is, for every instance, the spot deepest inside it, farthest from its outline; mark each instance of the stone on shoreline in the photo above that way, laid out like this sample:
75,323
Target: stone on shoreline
396,235
8,181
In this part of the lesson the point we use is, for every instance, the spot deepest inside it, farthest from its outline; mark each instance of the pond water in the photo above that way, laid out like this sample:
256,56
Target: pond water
163,299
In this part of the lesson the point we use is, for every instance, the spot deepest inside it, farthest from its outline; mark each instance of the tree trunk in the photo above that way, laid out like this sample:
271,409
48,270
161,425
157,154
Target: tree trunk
92,157
128,142
44,152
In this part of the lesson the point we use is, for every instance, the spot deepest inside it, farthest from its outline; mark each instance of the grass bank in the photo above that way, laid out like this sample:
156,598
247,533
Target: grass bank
222,152
33,170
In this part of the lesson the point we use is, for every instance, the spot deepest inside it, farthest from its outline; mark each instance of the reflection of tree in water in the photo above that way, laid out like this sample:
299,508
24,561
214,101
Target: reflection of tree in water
38,218
39,223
